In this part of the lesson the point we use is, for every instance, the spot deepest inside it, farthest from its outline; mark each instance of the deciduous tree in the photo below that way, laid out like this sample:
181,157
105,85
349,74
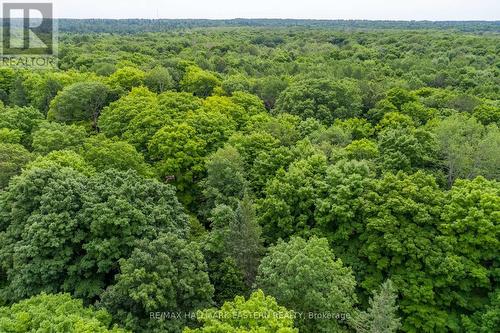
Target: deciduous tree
51,136
323,99
79,102
199,82
165,275
57,313
259,313
305,276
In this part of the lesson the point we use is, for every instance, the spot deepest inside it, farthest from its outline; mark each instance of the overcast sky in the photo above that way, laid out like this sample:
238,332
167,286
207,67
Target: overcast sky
308,9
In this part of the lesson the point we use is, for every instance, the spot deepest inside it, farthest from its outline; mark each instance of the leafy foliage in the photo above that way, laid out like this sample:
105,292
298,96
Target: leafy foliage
79,102
199,82
166,274
163,166
467,148
13,157
55,313
62,231
322,99
259,313
306,277
104,154
53,136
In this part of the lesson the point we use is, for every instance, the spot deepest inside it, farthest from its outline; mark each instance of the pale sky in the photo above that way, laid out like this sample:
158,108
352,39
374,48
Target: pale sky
306,9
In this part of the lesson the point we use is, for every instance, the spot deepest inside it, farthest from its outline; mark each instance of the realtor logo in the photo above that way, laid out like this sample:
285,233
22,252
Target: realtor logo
28,29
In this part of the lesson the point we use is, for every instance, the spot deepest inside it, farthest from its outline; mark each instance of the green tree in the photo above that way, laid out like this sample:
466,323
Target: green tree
120,209
7,78
116,117
244,241
363,149
400,96
329,137
104,68
178,151
18,95
12,136
63,159
269,89
226,276
179,103
13,157
489,154
46,91
323,99
23,119
360,128
55,313
171,107
394,120
487,114
290,199
228,108
406,149
266,165
382,107
486,320
50,136
212,126
236,82
167,274
79,102
199,82
466,148
339,211
401,241
400,100
144,126
104,154
381,316
159,80
252,104
259,313
44,197
283,127
470,227
225,182
418,112
305,276
126,78
79,228
43,86
251,145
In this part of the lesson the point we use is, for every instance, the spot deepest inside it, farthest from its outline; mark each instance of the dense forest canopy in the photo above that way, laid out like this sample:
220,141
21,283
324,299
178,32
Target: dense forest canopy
148,25
185,175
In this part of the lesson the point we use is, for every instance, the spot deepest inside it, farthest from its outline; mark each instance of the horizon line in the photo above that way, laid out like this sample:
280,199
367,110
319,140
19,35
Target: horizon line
272,18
